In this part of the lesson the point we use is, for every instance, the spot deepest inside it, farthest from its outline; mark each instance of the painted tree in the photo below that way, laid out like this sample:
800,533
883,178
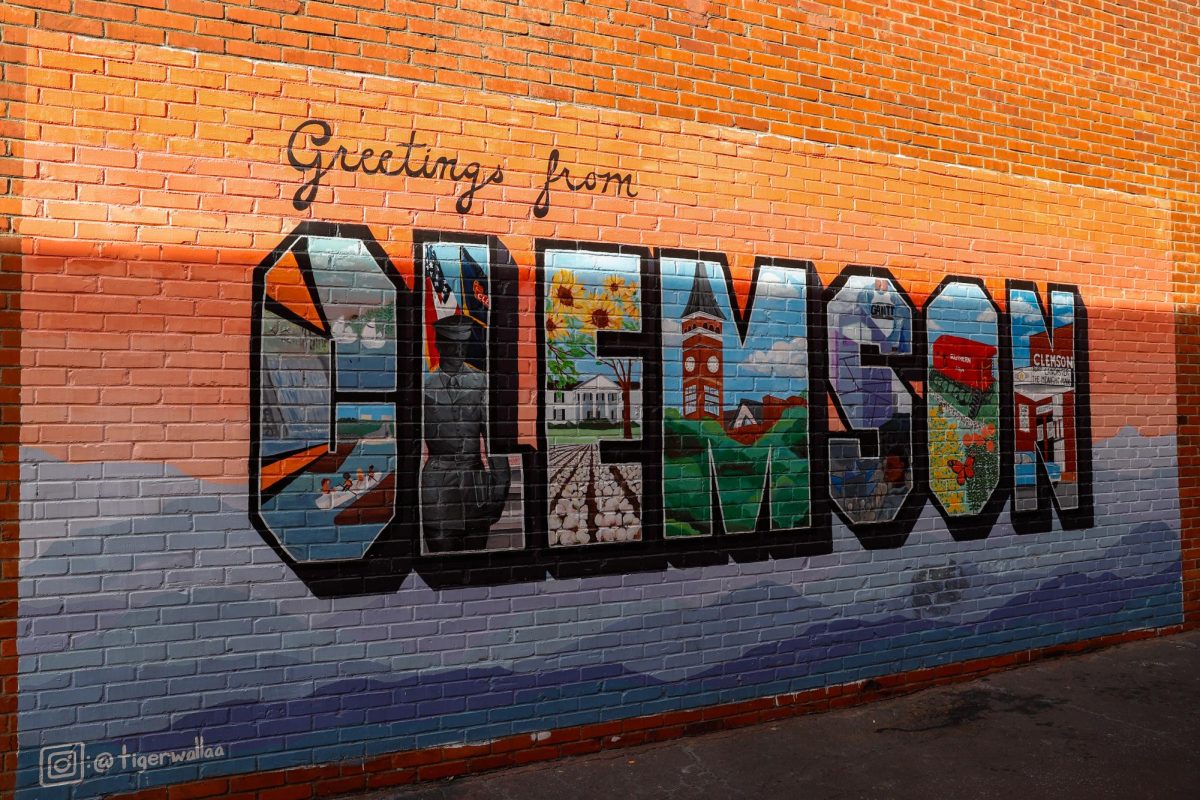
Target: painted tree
575,313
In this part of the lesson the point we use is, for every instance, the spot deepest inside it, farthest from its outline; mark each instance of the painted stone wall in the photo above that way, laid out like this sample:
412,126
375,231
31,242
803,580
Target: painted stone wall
365,412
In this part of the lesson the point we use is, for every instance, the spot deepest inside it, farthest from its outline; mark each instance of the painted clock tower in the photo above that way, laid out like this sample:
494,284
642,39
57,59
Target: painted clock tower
703,352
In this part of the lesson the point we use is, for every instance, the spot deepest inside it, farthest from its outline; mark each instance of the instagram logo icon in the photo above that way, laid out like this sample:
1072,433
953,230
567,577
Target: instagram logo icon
61,764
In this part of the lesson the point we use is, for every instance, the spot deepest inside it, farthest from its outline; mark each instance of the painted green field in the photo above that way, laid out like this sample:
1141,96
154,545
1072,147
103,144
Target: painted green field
581,435
348,429
741,473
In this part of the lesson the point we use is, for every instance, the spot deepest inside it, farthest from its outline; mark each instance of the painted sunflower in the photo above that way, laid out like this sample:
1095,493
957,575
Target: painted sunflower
614,285
556,325
632,312
602,314
566,295
622,291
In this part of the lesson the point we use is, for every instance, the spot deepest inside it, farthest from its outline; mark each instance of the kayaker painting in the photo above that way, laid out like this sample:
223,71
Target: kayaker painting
349,489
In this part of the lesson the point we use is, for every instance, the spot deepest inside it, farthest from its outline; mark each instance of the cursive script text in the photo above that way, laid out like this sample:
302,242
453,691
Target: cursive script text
310,153
589,183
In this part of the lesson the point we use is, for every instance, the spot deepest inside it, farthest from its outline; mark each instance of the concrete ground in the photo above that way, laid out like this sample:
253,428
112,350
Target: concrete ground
1119,723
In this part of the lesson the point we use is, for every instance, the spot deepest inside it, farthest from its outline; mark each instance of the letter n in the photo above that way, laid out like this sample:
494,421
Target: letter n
1052,438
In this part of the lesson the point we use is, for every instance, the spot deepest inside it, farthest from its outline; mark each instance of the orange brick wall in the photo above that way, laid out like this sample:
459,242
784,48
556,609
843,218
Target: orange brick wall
148,177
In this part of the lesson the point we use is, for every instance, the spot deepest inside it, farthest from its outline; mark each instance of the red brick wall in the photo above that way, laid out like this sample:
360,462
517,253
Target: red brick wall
1092,90
145,177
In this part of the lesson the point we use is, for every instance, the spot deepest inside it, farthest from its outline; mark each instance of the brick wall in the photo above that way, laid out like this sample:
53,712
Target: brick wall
862,360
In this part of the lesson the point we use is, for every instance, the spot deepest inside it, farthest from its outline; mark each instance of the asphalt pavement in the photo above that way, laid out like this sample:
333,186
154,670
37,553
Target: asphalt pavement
1123,722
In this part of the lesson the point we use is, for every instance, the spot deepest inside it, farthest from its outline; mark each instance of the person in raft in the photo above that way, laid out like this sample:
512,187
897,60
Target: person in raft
326,486
371,472
347,482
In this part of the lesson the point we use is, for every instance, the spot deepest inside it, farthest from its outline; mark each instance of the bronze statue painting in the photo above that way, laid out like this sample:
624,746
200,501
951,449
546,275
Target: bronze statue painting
461,499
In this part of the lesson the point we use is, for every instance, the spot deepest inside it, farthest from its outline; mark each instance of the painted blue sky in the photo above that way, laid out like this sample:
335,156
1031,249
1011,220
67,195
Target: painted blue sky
590,270
774,358
350,285
366,411
962,309
349,281
1026,318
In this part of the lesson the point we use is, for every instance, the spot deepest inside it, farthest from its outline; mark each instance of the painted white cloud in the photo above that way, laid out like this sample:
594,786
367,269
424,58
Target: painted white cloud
672,334
958,324
773,283
1019,306
987,317
784,360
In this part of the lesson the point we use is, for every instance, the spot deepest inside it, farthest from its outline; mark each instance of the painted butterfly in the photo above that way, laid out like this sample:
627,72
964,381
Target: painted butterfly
962,470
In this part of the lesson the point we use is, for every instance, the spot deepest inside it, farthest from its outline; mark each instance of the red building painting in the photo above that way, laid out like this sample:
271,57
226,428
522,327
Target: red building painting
703,352
1044,398
965,361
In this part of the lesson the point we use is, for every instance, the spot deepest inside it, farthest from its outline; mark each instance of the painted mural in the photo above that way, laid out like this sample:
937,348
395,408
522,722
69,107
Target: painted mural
735,403
325,452
667,387
470,498
591,396
510,458
756,414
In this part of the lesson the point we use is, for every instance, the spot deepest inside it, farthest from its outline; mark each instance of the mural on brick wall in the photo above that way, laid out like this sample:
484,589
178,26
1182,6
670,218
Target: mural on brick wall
680,415
606,413
690,420
591,395
493,492
735,401
325,453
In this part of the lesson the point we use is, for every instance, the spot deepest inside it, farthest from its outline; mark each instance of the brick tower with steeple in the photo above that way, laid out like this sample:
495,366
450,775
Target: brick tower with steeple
703,352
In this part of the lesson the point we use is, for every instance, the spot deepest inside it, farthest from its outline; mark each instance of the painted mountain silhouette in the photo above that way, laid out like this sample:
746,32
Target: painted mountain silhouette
847,649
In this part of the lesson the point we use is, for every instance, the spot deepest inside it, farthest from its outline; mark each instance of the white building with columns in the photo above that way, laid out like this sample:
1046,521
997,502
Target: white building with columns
597,398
